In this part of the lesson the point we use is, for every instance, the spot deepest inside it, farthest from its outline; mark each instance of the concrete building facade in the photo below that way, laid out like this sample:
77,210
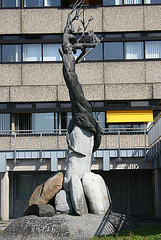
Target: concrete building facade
120,78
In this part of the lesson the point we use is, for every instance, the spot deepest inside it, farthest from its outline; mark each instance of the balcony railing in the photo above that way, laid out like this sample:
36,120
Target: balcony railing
56,139
154,130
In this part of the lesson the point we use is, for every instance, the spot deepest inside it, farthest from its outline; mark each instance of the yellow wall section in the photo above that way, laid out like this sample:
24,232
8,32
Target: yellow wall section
129,116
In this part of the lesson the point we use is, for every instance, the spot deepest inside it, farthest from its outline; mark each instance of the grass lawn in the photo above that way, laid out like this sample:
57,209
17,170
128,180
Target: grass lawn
146,232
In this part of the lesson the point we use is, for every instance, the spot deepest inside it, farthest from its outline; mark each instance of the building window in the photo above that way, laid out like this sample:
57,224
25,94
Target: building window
68,3
152,49
24,185
134,50
112,2
51,53
44,121
52,3
32,52
132,2
33,3
113,50
22,121
4,122
152,1
10,3
96,53
11,53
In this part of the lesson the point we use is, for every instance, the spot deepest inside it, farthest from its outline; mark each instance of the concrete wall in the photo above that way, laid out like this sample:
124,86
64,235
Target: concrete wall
107,19
114,80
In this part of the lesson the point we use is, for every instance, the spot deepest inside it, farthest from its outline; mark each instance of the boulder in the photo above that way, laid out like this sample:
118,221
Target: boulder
97,193
45,192
45,210
63,203
77,196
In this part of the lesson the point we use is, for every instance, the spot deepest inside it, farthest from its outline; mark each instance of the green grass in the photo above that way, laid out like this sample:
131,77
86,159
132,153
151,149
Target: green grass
146,232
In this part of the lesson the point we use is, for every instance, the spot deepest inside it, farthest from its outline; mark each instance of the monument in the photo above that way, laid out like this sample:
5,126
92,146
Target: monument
77,205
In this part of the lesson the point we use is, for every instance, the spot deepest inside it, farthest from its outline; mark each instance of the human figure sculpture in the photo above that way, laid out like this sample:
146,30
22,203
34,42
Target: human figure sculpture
83,122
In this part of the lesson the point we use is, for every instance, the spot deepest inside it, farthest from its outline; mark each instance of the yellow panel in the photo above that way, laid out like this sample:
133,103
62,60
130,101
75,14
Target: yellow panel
129,116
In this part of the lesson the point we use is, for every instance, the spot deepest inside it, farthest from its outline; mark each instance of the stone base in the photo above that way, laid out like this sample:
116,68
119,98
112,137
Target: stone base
67,227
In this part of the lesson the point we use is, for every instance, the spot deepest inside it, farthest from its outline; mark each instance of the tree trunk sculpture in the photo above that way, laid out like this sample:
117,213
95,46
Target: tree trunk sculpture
84,132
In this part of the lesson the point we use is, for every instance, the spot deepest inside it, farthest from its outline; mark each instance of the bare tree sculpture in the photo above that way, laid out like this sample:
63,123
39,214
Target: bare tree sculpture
81,109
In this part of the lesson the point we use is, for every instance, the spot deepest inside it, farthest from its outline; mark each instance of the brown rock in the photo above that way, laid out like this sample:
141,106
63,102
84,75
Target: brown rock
46,191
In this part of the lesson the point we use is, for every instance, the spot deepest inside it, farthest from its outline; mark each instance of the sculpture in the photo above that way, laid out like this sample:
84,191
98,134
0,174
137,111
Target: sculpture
83,122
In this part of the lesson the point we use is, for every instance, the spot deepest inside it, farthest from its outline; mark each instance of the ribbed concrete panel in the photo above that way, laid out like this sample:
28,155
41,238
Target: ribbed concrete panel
41,20
153,71
33,93
119,19
10,74
42,74
4,94
152,17
157,90
10,21
124,72
128,91
90,73
91,92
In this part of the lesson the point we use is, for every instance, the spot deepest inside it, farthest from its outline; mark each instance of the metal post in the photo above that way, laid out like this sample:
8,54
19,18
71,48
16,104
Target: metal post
145,144
15,160
41,160
119,151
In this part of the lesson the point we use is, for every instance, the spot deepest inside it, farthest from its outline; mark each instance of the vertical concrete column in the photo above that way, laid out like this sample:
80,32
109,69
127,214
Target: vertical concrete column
4,202
157,176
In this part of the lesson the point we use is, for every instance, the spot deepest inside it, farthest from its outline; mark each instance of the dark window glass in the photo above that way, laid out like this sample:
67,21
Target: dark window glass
23,106
45,105
11,53
132,35
0,53
115,35
112,2
52,3
22,121
154,34
24,185
113,50
96,53
41,178
10,3
33,3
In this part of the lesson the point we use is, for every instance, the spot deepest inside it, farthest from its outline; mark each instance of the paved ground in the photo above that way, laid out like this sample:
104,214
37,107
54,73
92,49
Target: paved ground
4,224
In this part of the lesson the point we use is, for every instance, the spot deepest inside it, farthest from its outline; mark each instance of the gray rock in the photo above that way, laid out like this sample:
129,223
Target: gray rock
97,193
77,196
46,210
66,227
63,203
